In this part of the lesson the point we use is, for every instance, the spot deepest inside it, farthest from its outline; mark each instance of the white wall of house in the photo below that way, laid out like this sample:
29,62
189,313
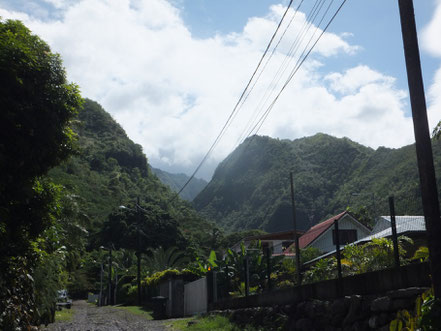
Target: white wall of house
325,241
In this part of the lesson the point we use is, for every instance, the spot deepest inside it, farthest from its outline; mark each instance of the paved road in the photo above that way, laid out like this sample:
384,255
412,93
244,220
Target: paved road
91,318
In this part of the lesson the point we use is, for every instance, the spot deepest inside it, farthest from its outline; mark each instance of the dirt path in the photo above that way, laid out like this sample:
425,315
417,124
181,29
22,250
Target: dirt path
91,318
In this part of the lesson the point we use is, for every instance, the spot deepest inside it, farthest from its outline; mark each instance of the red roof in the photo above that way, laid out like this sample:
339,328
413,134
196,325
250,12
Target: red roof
314,232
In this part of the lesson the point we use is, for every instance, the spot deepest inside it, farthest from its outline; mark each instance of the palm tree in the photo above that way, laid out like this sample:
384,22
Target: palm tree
161,259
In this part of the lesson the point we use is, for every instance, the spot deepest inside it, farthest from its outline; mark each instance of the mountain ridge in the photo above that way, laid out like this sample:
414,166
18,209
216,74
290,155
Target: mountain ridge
250,188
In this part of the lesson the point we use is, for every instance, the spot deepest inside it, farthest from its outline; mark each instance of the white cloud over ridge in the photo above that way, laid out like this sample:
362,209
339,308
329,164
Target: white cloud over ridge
173,92
431,43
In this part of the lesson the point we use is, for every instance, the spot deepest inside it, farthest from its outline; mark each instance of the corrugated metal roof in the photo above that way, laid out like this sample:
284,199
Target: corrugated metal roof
404,224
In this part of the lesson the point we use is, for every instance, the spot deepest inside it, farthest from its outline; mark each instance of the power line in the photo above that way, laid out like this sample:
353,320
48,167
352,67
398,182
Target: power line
294,71
282,68
227,123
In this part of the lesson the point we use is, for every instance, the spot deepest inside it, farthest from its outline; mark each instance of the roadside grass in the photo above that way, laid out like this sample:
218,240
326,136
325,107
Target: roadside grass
138,310
217,323
64,315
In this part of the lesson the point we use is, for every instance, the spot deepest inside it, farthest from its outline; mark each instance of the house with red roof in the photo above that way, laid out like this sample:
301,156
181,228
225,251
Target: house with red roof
322,235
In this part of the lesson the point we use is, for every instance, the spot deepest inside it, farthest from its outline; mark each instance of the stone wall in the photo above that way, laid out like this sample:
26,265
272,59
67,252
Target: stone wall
371,283
355,312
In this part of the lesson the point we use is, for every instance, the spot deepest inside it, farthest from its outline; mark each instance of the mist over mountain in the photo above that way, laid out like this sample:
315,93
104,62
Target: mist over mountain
251,189
177,181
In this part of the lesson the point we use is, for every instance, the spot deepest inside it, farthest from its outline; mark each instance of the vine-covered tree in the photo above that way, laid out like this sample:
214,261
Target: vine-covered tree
37,105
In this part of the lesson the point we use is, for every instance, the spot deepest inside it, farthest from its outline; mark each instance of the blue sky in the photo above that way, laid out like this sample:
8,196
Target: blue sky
171,71
374,23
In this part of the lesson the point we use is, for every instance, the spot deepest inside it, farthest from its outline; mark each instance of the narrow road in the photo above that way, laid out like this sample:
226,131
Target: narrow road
91,318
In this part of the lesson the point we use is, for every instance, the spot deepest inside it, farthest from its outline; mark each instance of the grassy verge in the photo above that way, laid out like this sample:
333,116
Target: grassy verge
64,315
138,310
217,323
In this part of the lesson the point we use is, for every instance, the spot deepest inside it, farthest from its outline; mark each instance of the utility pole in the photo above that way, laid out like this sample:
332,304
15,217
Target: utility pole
138,250
393,225
423,143
296,237
109,299
100,303
337,249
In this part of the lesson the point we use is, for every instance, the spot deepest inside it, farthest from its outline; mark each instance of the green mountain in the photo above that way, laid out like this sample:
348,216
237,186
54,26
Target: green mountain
110,170
251,187
177,181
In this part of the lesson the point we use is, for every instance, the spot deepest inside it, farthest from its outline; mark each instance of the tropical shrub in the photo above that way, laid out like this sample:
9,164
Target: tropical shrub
426,316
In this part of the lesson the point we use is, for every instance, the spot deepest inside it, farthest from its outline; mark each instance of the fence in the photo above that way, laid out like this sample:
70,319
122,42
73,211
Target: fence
195,297
256,271
247,278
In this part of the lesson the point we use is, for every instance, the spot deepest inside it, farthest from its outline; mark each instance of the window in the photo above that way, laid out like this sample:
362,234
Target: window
345,236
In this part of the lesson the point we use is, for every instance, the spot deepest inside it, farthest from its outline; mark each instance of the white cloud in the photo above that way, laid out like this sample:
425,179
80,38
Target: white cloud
355,78
431,42
172,92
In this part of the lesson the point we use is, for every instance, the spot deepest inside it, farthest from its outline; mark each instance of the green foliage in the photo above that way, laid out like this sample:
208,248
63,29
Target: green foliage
250,188
162,259
421,254
109,171
64,315
323,269
356,259
138,310
38,105
436,133
426,315
375,255
210,322
157,277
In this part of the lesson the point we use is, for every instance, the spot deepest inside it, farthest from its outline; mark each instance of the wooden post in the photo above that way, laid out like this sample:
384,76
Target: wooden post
423,143
227,281
296,238
337,249
109,299
393,225
268,266
247,276
138,249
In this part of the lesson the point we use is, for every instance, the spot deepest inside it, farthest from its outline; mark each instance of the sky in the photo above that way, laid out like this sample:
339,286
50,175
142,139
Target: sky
170,72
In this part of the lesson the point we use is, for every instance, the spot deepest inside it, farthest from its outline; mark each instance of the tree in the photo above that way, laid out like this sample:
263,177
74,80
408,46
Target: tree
37,106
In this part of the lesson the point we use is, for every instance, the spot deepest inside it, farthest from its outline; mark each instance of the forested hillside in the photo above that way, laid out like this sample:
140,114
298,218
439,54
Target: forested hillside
110,170
177,181
250,188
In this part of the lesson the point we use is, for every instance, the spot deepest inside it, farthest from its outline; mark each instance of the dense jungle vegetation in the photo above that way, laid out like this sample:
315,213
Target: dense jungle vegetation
250,189
66,169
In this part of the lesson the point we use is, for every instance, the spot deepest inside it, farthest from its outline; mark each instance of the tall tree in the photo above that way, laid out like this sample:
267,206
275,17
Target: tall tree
37,106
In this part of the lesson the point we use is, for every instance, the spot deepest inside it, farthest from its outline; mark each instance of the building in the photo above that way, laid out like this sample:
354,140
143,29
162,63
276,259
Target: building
413,227
322,235
277,241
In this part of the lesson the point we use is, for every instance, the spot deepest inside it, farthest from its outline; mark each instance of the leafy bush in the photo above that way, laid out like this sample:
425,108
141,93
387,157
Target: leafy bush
426,317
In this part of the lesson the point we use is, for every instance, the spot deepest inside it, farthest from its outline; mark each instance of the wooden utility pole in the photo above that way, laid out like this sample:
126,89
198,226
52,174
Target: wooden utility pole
296,237
138,250
393,225
423,143
337,249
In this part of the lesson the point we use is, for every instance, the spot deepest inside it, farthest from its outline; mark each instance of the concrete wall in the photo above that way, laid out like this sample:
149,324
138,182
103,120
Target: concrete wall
195,297
377,282
325,243
173,290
